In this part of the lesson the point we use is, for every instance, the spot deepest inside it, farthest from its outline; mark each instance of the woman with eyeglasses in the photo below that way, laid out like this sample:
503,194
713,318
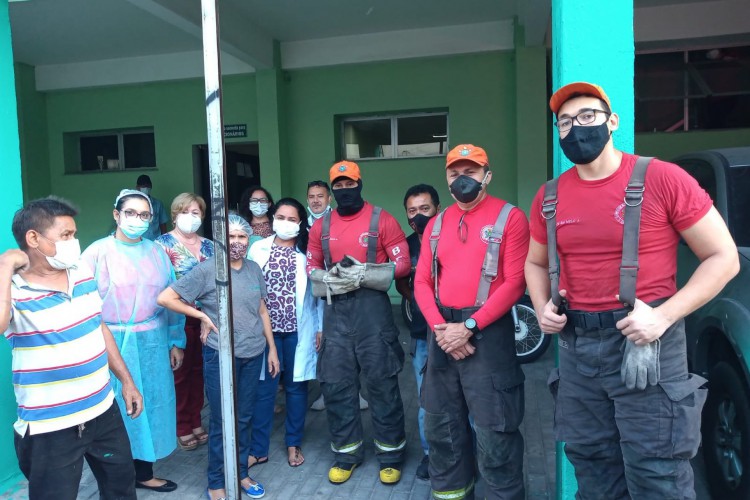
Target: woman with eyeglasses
296,318
186,249
255,204
130,273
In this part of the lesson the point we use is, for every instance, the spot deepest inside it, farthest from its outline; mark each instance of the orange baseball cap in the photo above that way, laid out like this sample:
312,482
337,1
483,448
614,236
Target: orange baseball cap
347,169
467,152
574,90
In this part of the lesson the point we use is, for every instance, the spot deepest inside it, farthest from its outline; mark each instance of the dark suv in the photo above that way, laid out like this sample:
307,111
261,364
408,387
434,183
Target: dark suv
719,333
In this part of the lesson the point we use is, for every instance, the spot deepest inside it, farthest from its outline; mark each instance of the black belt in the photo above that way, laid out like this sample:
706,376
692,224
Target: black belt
344,296
457,315
596,320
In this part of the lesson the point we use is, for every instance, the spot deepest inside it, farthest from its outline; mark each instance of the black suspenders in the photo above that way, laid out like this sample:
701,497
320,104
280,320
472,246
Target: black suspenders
372,238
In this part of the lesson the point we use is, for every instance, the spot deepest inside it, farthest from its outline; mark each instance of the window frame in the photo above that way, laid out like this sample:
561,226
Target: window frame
73,163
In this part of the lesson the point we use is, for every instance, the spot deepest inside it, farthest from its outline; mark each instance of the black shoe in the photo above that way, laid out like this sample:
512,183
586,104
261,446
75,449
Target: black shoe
423,471
164,488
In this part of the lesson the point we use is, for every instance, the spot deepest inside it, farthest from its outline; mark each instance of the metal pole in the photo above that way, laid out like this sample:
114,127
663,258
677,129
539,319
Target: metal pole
212,70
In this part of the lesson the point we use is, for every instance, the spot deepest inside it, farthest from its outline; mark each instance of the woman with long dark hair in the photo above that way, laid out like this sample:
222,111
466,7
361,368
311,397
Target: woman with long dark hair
256,204
296,318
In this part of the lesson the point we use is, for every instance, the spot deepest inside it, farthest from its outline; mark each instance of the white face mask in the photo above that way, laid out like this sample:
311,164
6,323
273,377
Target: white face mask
321,214
145,190
284,229
67,254
188,223
133,227
258,209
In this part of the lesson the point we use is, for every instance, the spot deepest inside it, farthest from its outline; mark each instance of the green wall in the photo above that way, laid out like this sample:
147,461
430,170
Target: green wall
10,170
668,145
176,112
32,128
478,90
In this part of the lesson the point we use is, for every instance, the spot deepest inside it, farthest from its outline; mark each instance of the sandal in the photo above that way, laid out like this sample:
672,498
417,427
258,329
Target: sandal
187,443
298,457
257,461
202,436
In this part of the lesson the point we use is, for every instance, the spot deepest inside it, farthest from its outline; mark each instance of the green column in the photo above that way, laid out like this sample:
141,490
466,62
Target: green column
272,127
12,199
593,41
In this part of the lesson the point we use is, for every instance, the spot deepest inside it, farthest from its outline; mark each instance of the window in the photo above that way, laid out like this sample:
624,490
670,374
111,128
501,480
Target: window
395,136
112,150
693,90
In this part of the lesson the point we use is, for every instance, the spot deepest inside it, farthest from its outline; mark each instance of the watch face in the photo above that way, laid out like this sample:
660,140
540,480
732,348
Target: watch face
470,323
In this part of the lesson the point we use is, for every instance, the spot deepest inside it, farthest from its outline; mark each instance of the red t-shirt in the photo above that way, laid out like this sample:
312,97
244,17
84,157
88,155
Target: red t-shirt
590,228
460,263
349,237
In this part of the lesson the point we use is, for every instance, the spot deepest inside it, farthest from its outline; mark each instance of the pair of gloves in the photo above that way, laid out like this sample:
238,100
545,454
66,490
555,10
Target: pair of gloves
640,364
348,275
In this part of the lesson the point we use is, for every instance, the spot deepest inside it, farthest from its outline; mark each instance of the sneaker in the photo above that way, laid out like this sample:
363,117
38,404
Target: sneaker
390,473
423,471
363,404
254,490
341,472
319,404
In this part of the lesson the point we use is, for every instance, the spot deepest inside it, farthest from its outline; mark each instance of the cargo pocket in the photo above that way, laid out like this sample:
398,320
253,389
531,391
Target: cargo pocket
553,384
443,436
509,403
680,426
394,359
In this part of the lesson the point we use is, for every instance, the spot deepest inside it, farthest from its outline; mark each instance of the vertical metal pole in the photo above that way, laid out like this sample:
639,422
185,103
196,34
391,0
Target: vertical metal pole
212,70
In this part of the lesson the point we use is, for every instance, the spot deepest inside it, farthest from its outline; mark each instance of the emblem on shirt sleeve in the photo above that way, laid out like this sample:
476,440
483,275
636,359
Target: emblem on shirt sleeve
620,213
485,233
396,251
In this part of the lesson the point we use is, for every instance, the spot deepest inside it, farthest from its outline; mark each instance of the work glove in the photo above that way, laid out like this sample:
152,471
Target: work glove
373,276
326,284
640,364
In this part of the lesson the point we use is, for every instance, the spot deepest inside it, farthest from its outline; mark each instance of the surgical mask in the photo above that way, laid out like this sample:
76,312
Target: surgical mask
466,189
419,222
583,145
145,190
284,229
258,208
237,250
321,214
188,223
349,200
133,227
67,254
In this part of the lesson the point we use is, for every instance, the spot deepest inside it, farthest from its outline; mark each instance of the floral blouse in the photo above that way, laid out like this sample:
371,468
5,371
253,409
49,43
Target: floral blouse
182,259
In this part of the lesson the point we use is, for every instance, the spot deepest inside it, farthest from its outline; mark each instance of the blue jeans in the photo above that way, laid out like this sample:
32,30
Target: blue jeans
246,373
296,400
419,358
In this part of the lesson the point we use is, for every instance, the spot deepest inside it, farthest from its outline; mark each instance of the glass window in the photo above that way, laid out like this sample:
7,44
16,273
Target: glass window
140,150
109,150
422,135
739,204
367,138
96,151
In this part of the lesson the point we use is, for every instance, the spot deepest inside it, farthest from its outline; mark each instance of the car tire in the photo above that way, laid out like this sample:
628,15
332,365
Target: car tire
726,434
531,342
406,312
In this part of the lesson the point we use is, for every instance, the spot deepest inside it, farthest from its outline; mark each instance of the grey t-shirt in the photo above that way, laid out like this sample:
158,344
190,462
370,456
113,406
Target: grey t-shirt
248,287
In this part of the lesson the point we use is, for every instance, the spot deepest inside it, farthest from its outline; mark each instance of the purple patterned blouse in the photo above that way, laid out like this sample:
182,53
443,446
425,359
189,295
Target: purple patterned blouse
280,273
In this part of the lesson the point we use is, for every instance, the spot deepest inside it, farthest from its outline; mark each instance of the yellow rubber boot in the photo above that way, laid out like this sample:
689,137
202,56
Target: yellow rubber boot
341,472
390,475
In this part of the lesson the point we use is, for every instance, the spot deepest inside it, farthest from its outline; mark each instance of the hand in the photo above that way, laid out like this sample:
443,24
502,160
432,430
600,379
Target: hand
15,259
549,320
464,351
640,365
318,341
451,336
175,357
273,362
644,324
207,326
133,399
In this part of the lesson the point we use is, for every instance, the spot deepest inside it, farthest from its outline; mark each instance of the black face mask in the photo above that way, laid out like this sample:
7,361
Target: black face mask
349,200
466,189
419,222
583,145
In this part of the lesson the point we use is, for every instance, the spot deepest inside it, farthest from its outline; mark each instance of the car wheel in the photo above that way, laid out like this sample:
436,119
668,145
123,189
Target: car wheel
531,342
726,434
406,312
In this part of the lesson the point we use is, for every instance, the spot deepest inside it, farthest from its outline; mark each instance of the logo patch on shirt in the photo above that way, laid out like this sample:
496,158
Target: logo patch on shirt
485,233
620,213
363,239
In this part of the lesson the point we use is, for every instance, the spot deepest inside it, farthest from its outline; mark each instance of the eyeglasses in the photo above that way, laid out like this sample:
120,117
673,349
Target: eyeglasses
146,216
584,117
258,200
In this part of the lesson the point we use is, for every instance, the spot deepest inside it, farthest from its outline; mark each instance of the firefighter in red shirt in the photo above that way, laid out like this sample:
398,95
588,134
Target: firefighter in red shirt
468,278
358,327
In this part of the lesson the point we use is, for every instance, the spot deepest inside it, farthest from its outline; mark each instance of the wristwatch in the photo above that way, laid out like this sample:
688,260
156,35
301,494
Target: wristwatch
471,325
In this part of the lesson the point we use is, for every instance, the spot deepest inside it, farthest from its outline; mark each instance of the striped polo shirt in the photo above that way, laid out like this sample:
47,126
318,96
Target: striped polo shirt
60,369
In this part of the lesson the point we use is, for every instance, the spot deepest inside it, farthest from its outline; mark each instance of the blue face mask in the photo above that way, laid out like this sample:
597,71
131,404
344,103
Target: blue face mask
133,227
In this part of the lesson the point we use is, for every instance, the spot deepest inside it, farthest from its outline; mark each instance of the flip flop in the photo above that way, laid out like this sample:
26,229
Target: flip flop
201,437
297,456
258,461
188,444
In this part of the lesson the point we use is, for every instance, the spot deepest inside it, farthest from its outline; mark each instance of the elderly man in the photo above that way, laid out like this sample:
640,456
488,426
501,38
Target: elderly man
358,327
601,273
50,311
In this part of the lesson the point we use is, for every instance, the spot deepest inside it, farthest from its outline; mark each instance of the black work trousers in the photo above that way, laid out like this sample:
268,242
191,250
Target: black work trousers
626,443
53,461
487,385
359,334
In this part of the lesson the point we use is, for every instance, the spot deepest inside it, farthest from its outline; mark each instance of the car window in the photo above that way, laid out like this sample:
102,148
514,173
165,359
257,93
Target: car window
739,204
704,174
